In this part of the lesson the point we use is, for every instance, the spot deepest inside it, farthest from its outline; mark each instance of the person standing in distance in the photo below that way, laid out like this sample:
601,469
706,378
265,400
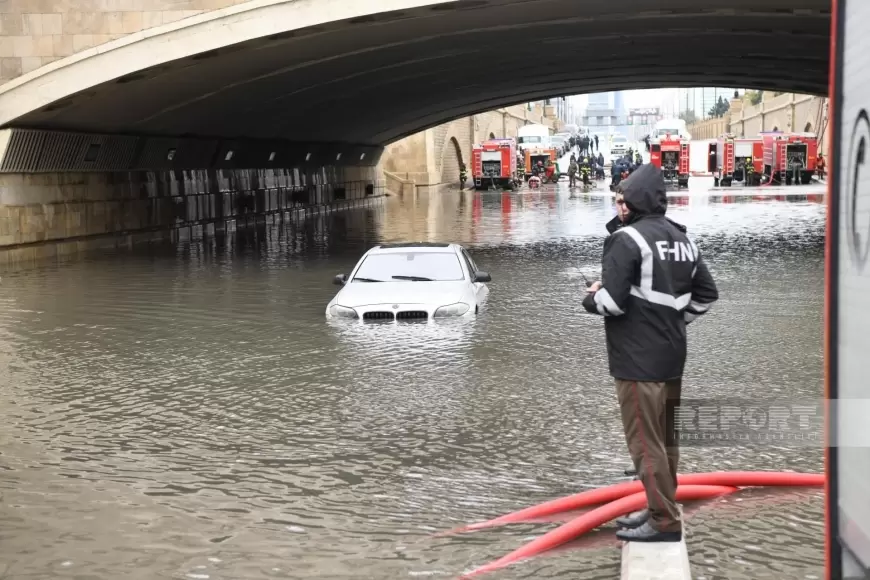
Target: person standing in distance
653,283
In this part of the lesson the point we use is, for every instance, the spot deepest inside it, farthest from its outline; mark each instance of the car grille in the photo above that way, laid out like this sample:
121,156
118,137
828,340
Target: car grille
412,315
378,315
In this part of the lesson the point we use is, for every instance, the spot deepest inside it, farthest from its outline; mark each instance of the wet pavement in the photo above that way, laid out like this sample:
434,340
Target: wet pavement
187,412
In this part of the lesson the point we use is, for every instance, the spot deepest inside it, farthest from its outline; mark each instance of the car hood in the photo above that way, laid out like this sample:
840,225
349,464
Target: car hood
367,293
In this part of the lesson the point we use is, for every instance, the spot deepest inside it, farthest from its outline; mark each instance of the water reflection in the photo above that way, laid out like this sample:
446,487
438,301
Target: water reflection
187,411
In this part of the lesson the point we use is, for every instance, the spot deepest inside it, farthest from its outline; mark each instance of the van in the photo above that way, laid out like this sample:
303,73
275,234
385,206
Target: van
673,127
533,136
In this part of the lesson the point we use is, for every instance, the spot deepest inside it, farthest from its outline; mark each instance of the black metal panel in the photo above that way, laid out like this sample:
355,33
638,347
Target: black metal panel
22,151
29,151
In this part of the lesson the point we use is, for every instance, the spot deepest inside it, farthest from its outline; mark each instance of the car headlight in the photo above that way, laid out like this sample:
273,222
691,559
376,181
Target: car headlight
343,312
457,309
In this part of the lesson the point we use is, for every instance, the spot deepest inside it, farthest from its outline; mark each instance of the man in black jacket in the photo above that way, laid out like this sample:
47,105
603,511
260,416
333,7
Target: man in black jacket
653,283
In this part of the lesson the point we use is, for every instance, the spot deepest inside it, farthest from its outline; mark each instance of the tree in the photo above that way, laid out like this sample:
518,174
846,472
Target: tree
720,108
754,97
689,117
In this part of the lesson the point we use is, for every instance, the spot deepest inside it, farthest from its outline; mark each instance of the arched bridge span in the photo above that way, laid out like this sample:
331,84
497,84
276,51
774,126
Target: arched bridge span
374,71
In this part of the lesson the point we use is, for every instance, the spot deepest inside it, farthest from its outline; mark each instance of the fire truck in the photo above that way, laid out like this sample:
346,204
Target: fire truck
494,164
671,155
728,156
535,154
790,155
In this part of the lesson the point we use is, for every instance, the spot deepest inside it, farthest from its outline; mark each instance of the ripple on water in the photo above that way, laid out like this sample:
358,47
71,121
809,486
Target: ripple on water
187,411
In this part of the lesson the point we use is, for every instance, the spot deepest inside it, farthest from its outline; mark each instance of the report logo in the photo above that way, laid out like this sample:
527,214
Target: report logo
728,423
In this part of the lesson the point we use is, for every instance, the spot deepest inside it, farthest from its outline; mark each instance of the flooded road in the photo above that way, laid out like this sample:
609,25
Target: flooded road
187,412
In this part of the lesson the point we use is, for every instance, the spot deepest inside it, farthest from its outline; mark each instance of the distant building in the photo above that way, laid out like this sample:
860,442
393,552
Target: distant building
642,121
698,100
600,102
605,113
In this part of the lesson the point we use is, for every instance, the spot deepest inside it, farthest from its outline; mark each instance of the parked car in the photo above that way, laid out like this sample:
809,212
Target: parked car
618,147
410,281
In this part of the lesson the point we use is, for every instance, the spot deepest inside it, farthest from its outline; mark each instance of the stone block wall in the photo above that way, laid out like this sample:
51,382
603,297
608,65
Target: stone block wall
709,129
41,212
786,112
432,157
34,33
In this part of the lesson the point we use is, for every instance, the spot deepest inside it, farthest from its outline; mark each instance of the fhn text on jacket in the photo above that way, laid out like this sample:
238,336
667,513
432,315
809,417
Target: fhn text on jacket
654,282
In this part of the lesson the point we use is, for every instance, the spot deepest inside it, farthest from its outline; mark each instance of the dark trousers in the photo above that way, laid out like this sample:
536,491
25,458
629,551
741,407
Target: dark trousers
654,451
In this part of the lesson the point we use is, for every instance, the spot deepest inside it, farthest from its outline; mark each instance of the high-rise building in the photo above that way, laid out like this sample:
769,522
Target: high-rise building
619,105
605,110
600,101
700,100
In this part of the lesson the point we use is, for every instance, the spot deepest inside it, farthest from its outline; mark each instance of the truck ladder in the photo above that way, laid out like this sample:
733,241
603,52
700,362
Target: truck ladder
728,169
783,158
684,158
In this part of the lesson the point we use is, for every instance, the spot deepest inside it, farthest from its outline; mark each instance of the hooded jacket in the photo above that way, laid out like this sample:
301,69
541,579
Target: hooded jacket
654,282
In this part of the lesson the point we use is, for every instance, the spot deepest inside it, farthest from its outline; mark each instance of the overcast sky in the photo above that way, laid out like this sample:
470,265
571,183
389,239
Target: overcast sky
635,99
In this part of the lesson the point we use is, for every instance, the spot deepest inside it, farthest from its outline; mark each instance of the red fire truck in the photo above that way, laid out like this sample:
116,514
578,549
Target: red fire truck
728,157
494,164
671,155
790,157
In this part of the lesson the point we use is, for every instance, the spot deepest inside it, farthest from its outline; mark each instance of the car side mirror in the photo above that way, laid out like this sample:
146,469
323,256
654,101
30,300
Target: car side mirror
340,280
482,277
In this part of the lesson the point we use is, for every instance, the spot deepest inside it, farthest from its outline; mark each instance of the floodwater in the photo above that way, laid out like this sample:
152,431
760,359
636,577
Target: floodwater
187,412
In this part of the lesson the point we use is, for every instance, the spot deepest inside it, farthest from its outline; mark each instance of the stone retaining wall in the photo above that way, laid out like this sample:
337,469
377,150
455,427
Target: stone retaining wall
44,214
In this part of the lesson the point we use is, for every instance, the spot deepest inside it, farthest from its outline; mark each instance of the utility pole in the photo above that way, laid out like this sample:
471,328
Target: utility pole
704,103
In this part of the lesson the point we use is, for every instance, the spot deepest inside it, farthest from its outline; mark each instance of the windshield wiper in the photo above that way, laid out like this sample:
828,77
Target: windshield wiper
358,279
413,278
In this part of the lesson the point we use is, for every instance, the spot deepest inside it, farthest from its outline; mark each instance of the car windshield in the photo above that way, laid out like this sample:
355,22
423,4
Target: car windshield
410,267
529,140
666,130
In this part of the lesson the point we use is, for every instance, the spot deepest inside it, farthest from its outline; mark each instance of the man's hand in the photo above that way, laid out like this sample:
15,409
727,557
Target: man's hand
596,286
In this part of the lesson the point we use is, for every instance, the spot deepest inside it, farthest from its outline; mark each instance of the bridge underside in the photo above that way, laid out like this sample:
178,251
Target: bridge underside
373,80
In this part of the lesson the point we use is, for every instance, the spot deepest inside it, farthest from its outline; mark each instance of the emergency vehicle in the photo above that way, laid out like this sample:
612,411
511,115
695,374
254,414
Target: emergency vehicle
534,155
671,155
790,154
494,163
728,156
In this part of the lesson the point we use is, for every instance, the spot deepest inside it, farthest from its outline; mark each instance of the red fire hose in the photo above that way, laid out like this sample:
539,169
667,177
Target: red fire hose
591,520
623,498
614,492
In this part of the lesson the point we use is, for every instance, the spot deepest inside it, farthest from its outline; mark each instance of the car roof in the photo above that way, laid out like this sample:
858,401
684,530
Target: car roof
415,246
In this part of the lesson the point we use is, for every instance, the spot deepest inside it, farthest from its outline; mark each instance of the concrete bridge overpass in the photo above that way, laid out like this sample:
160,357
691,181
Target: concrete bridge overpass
320,86
373,71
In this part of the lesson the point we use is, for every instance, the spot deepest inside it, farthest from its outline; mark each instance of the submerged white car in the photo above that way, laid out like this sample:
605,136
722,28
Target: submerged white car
410,281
